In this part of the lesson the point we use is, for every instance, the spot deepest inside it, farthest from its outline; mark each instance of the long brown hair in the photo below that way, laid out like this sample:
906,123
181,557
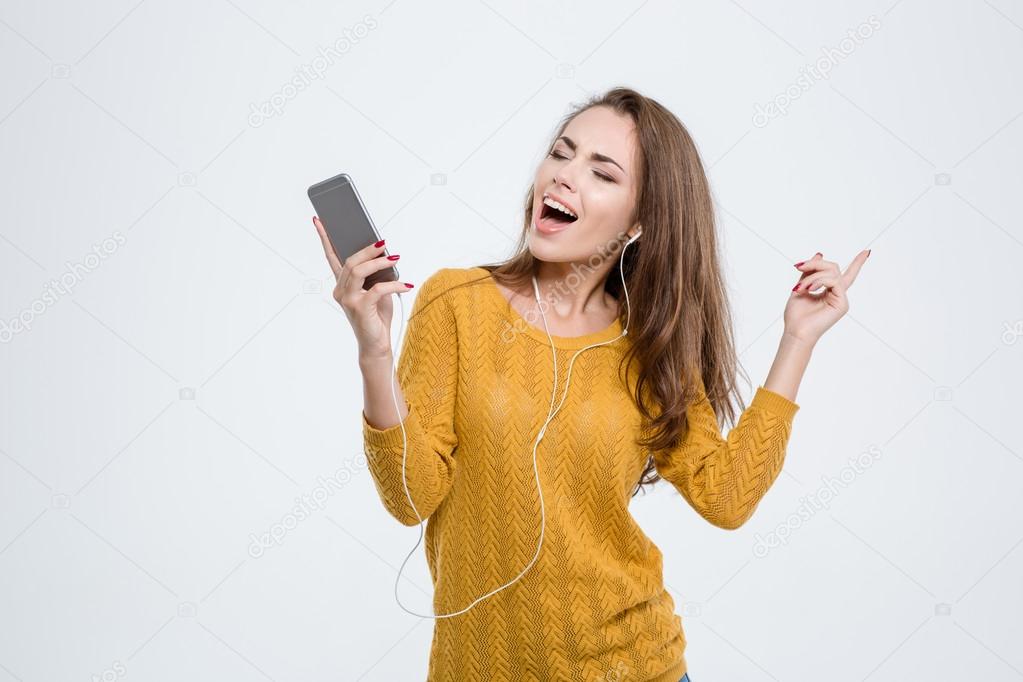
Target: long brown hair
680,324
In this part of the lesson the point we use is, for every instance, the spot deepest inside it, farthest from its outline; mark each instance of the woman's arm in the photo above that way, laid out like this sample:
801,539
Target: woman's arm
377,377
428,371
724,479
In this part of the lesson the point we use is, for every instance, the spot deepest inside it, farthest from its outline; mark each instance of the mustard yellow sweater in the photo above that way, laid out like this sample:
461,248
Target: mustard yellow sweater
477,379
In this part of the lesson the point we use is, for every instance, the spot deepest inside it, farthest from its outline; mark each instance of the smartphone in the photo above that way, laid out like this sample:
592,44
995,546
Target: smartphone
346,220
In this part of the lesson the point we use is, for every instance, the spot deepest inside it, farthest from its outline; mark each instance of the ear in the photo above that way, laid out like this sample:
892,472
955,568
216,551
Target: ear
637,230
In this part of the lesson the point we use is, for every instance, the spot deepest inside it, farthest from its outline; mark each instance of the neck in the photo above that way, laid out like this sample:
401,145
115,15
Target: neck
573,292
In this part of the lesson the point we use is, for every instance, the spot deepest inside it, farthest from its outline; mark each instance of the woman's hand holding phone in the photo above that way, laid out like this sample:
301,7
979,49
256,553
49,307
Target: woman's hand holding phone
369,311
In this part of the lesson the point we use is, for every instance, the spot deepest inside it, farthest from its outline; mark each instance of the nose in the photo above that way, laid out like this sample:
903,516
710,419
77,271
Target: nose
560,178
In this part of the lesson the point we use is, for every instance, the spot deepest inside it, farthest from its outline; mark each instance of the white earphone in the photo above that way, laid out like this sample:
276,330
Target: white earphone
550,416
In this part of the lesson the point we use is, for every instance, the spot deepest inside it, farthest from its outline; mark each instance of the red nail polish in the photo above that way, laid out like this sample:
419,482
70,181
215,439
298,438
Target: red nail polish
795,287
408,285
800,263
394,257
379,243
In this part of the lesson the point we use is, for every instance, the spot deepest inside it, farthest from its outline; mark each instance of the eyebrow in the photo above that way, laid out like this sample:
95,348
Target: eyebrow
596,156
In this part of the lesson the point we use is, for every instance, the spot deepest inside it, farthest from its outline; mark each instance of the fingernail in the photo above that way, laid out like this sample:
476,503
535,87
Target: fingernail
800,263
795,287
394,257
818,254
314,220
408,285
379,243
868,253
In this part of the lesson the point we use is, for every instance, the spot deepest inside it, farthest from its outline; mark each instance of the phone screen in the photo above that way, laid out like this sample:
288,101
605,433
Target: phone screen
347,222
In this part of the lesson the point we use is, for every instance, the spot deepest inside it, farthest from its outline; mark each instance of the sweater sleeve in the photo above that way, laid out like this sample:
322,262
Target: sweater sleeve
428,375
724,479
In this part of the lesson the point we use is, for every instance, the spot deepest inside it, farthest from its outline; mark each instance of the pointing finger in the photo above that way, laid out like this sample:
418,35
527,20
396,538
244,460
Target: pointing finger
849,276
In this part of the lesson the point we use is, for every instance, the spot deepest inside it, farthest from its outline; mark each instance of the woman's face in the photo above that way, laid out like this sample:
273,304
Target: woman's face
590,170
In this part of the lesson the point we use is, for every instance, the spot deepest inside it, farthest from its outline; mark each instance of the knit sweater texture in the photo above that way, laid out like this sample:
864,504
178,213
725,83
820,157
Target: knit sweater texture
477,379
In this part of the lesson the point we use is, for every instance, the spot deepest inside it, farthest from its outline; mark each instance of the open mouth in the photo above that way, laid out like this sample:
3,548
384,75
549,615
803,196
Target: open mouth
556,216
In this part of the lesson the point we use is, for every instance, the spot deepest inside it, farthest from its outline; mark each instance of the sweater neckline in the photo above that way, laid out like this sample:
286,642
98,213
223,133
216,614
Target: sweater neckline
519,324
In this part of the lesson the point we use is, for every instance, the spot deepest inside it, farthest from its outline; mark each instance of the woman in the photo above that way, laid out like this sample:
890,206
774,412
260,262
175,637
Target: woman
540,572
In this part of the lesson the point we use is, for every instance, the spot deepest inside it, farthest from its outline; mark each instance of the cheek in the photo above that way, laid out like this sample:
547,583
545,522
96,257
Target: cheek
607,205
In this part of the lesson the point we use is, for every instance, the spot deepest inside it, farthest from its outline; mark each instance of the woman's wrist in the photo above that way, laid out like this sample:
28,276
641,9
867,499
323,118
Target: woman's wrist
794,343
373,361
790,363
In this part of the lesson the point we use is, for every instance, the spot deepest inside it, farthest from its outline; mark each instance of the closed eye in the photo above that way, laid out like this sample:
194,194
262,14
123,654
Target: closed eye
603,177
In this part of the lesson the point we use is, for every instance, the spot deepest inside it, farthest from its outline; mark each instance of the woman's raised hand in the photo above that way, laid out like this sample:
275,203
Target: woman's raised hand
368,310
809,315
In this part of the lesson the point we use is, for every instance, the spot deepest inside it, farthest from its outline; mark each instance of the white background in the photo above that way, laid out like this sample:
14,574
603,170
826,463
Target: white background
197,377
